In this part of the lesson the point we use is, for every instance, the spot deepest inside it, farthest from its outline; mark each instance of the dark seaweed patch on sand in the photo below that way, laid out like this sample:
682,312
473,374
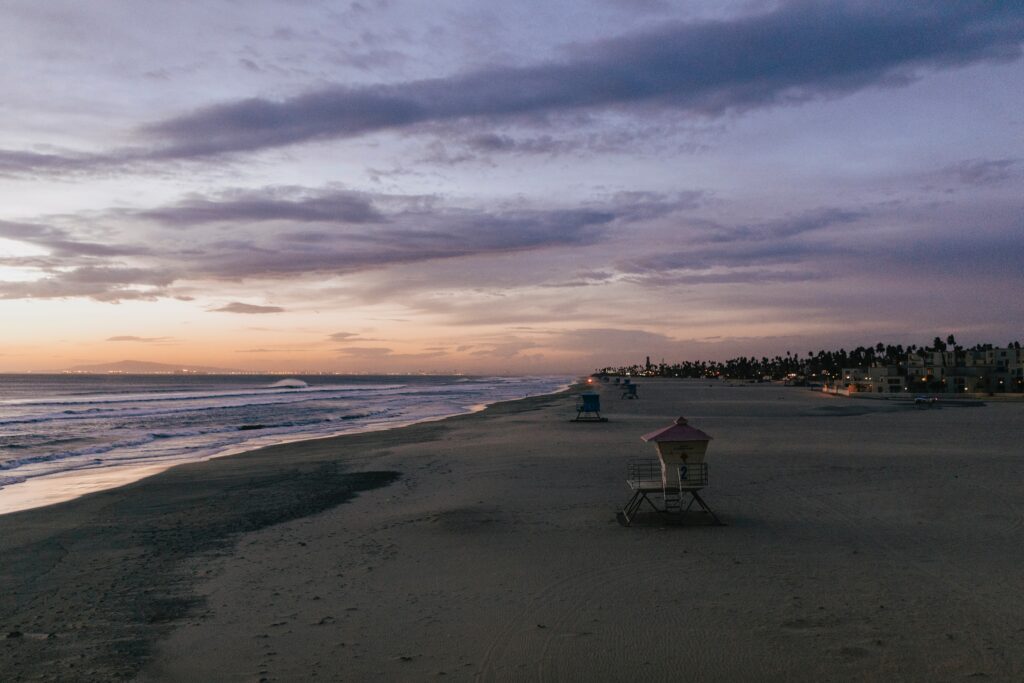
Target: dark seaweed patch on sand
114,576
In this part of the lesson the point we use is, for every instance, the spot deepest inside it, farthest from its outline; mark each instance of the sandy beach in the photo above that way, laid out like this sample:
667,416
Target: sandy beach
865,540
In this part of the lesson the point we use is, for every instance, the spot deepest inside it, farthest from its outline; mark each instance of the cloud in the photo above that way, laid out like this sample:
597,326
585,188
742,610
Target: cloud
422,233
21,164
595,345
366,351
58,288
630,239
133,338
238,307
807,222
17,163
376,354
267,204
60,242
413,233
101,282
492,142
118,276
583,279
349,337
759,276
941,245
980,172
797,52
254,238
483,146
771,243
508,347
412,238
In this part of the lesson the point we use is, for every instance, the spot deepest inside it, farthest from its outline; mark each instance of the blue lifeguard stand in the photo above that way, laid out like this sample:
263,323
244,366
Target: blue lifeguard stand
588,408
629,390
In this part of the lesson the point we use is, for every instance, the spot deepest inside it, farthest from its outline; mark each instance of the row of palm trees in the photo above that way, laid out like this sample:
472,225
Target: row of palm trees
820,364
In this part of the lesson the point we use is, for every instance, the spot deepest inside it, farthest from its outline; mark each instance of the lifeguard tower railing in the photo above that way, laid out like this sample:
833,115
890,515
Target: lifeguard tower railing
644,473
644,478
693,476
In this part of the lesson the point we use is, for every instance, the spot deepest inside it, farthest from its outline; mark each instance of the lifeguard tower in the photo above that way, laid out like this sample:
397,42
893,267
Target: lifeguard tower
588,408
629,390
678,471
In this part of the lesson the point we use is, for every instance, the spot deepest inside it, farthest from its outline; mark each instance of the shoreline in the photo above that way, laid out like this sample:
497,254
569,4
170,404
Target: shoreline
52,489
485,547
174,518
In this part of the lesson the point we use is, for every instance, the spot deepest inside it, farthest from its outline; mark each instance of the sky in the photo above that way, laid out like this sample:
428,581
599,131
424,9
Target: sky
483,187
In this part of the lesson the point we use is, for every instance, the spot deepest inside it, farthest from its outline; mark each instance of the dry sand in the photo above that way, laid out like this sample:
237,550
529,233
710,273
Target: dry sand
866,540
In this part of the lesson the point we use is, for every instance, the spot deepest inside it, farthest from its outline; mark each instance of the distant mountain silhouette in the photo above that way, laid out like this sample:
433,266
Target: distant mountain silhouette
141,367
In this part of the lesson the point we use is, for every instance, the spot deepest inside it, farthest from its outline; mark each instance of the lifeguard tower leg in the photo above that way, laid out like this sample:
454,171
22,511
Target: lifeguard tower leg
625,516
704,506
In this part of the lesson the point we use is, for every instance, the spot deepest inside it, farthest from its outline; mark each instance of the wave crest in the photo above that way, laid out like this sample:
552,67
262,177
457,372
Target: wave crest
289,383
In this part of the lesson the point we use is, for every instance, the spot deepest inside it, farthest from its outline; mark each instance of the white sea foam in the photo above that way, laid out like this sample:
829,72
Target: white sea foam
100,399
289,383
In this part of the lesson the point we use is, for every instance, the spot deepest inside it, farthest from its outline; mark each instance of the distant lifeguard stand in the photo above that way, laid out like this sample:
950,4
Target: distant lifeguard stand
588,408
629,390
678,471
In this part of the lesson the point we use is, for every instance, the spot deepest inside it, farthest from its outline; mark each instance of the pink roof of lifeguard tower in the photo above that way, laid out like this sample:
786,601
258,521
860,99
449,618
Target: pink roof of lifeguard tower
677,431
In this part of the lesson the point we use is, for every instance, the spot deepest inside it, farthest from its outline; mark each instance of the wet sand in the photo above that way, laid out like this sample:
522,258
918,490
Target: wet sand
866,540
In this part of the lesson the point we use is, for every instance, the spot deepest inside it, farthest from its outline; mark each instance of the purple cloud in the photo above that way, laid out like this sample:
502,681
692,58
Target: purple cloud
798,52
332,206
238,307
410,231
133,338
987,171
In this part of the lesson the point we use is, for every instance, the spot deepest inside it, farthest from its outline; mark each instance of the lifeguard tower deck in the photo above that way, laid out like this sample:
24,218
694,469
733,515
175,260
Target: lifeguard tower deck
643,476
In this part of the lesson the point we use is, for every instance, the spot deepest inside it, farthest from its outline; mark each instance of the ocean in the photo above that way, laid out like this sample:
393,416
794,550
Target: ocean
58,424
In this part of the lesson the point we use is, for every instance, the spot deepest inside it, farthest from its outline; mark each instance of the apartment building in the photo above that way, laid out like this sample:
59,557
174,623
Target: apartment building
984,371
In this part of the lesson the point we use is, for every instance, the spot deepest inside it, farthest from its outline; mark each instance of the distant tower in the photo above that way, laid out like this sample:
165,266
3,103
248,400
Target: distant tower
648,364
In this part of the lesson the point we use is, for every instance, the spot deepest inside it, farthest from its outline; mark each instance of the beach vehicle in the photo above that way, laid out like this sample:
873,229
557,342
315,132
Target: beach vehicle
925,401
678,474
588,408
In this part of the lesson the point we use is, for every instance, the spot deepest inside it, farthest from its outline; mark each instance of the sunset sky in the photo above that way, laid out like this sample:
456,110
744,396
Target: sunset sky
515,187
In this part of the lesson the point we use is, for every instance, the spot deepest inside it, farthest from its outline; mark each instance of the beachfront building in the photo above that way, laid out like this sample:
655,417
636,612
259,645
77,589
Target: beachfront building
960,371
885,379
1007,374
927,370
978,371
877,379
